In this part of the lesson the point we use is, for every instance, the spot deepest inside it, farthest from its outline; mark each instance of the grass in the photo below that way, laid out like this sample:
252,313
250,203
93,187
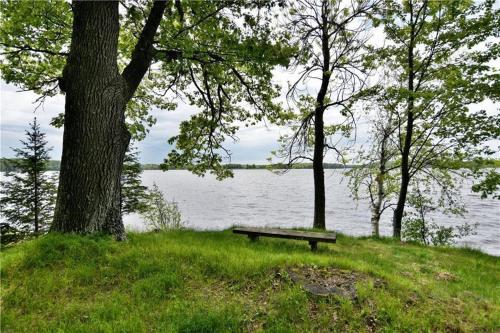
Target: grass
187,281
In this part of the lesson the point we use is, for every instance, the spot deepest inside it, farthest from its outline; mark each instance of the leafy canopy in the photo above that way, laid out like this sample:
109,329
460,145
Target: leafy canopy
215,55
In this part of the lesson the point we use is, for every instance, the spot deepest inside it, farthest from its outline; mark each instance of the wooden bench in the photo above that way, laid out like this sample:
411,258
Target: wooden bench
312,237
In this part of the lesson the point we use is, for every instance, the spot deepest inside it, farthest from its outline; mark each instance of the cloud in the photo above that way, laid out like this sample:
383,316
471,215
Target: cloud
17,110
253,144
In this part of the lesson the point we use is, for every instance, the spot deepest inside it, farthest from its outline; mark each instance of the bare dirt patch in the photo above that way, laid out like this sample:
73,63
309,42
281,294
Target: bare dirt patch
446,276
325,281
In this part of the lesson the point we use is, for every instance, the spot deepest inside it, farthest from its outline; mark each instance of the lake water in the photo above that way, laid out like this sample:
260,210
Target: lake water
262,198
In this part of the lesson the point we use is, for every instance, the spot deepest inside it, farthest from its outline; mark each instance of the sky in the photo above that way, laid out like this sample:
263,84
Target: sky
17,110
254,144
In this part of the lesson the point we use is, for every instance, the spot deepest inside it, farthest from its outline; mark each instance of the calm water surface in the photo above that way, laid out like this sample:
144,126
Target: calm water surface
262,198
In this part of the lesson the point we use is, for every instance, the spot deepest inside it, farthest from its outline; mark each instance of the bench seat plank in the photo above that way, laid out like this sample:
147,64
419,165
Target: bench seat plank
289,234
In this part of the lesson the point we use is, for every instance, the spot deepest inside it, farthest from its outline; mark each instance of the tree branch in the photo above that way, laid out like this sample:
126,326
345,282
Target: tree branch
27,48
143,51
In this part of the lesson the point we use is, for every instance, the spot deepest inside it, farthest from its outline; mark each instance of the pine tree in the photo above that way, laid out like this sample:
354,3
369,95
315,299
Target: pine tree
28,193
134,194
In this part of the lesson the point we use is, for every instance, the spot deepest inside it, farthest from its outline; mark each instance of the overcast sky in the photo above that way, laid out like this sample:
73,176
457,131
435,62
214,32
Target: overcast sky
254,145
18,109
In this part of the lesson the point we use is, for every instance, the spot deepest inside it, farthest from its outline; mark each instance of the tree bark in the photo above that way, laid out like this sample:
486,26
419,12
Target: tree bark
377,205
114,220
375,220
403,191
36,179
405,167
379,180
93,123
319,132
95,136
319,174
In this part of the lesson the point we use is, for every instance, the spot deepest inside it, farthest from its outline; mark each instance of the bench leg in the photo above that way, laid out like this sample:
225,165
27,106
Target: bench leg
253,238
314,245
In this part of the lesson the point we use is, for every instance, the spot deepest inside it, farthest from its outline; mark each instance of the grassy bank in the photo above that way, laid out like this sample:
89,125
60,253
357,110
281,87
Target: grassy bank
190,281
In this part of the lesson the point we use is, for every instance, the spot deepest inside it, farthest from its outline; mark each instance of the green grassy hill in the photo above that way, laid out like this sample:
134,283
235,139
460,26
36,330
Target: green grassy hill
189,281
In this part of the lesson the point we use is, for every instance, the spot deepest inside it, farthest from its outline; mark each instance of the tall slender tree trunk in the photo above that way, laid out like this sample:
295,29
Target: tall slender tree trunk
383,155
37,204
318,171
375,219
377,206
95,136
36,179
403,191
319,130
379,180
405,166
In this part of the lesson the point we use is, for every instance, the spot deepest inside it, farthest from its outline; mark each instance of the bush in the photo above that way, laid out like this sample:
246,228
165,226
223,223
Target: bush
421,231
162,214
9,234
418,227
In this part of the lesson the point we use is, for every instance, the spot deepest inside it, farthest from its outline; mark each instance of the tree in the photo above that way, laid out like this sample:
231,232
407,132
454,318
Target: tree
28,193
216,54
134,195
376,175
418,227
435,50
489,185
331,36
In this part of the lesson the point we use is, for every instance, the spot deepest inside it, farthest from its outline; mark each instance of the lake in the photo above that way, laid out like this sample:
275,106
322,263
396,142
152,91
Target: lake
262,198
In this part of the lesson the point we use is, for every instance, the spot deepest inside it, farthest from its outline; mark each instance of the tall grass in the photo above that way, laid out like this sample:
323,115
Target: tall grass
187,281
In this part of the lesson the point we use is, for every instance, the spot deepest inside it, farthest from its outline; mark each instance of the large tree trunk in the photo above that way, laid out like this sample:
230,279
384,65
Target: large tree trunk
95,136
114,219
94,125
318,171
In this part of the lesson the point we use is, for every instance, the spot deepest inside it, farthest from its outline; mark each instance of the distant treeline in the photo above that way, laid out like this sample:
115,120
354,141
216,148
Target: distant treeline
6,164
262,166
486,163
